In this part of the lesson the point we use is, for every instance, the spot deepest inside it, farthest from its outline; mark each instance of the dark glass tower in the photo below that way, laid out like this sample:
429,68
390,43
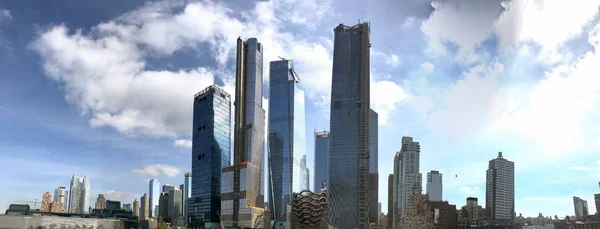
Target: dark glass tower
287,143
211,141
349,123
242,203
321,157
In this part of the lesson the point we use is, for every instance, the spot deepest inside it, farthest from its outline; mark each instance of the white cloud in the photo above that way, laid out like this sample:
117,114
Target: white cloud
183,143
156,170
116,196
427,66
408,22
546,22
390,59
5,14
469,190
581,168
385,96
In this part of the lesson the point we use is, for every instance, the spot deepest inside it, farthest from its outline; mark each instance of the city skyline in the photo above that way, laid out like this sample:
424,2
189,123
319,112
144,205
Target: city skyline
417,83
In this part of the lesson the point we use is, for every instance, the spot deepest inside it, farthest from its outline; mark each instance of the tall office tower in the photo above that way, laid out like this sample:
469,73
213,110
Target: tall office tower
578,206
500,190
321,160
154,189
145,207
164,207
287,145
79,195
374,142
597,201
406,177
187,193
175,204
167,188
390,211
349,123
242,198
373,189
211,152
100,201
46,201
60,195
434,185
136,208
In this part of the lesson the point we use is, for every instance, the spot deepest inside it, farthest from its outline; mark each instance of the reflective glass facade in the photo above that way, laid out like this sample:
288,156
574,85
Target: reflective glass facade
287,136
373,142
349,123
211,139
321,156
154,190
79,196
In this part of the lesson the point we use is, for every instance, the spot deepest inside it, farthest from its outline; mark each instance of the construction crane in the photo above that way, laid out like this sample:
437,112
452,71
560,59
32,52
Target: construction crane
35,202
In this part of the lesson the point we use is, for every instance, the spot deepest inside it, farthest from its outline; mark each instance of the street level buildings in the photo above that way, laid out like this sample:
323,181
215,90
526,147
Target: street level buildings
349,123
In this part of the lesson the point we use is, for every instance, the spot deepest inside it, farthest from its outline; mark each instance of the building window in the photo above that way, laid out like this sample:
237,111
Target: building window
201,156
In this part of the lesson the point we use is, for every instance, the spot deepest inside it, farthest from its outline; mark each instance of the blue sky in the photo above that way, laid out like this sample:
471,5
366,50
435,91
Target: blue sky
105,88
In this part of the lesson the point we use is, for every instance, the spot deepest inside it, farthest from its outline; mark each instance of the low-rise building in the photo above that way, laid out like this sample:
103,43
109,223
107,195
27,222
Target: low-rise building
444,215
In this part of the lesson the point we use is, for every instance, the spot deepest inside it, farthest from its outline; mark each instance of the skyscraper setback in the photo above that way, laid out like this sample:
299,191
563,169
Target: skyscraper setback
321,160
79,196
500,190
349,123
242,198
287,143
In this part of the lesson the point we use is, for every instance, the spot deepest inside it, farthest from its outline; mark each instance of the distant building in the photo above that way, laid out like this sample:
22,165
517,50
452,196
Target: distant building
444,215
500,191
100,201
471,214
127,207
57,207
434,186
321,157
164,209
46,201
175,205
144,207
390,199
167,188
136,208
154,191
113,205
187,193
597,201
60,195
211,151
406,176
578,206
373,191
373,177
79,194
309,210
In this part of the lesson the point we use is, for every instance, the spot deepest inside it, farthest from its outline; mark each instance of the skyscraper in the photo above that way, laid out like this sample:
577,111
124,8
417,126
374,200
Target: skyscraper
406,177
597,201
100,201
187,193
167,188
211,152
434,185
500,190
242,187
164,209
46,201
136,208
578,206
287,145
60,195
144,207
321,160
175,204
391,202
154,189
349,123
79,195
373,176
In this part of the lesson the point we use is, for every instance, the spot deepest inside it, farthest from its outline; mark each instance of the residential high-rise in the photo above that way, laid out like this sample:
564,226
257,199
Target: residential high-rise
500,190
287,145
597,201
391,202
578,206
434,186
373,177
60,195
144,207
321,160
187,193
154,191
175,210
57,207
79,195
406,177
136,208
211,152
242,198
46,201
100,201
349,123
167,188
127,207
164,209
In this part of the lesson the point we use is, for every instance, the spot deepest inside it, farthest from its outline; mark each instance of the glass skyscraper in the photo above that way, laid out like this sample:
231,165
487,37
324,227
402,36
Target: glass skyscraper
321,157
187,193
287,143
349,123
242,187
154,189
373,177
500,190
79,196
211,141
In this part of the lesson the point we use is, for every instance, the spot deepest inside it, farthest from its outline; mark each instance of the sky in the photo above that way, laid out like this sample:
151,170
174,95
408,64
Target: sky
105,89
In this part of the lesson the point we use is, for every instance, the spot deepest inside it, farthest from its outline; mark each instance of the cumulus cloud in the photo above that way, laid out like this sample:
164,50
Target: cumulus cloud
116,196
5,14
183,143
156,170
385,96
427,66
390,59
